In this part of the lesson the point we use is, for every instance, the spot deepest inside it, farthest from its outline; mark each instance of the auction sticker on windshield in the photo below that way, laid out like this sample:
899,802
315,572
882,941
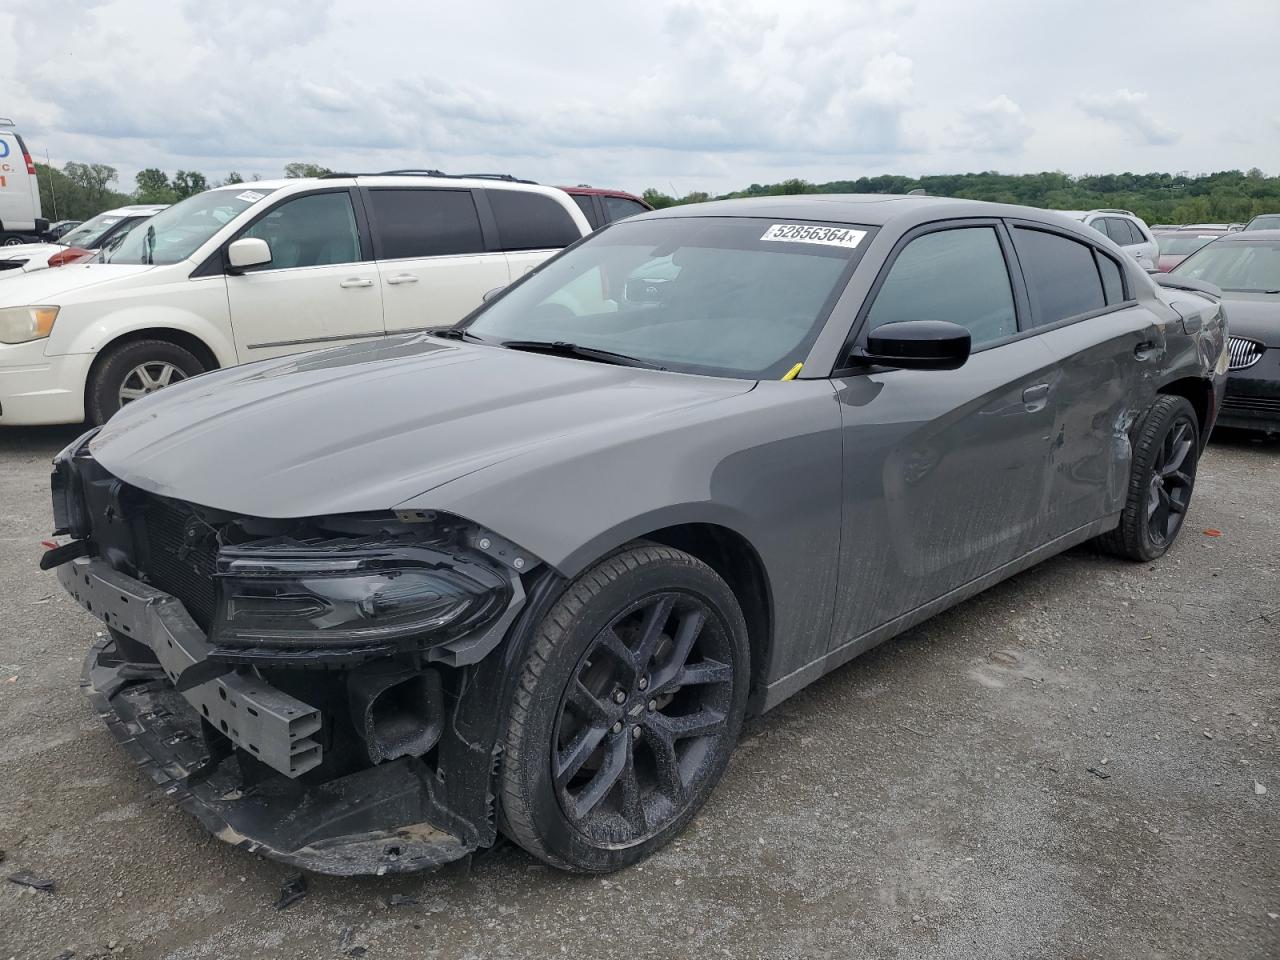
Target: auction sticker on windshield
808,233
250,196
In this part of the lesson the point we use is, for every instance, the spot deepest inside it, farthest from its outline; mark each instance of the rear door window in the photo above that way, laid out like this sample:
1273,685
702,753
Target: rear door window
587,205
618,208
1062,277
531,221
417,222
958,275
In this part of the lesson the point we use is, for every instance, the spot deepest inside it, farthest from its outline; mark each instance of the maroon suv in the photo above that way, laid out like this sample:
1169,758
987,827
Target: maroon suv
605,206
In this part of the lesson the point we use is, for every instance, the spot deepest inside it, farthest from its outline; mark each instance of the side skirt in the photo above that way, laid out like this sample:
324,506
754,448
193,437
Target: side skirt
770,696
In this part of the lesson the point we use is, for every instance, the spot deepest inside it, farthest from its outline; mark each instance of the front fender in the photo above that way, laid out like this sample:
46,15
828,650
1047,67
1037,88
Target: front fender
87,328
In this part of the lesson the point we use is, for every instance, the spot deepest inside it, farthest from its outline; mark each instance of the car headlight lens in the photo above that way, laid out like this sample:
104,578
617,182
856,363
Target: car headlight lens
311,596
20,324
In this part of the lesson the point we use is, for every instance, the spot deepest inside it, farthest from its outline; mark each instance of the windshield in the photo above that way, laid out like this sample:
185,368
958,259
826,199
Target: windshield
178,232
1245,266
1266,222
732,297
89,234
1181,246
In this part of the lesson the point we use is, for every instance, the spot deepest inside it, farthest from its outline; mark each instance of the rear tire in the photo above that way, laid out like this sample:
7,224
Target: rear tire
130,370
626,711
1161,479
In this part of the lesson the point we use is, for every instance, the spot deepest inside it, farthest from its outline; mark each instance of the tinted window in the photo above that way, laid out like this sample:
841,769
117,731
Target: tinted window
587,207
425,223
531,221
1248,266
616,208
1112,285
957,275
1131,231
1061,276
310,231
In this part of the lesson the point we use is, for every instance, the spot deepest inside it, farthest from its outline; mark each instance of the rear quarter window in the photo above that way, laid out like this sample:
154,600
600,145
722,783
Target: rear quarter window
531,221
1062,276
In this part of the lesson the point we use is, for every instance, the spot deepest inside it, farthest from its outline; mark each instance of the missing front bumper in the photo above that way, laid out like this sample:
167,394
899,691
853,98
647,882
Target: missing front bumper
384,819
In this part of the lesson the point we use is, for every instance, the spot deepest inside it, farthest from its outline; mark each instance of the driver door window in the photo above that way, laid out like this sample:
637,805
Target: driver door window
957,275
311,231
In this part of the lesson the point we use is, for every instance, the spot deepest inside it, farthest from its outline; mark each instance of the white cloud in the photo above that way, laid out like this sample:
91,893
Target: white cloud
1127,110
997,126
682,94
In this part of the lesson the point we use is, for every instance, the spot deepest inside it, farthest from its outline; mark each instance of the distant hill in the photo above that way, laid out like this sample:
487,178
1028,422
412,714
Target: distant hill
1229,196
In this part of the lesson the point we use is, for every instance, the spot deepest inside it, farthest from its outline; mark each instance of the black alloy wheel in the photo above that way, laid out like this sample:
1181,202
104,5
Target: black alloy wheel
1173,474
627,707
642,714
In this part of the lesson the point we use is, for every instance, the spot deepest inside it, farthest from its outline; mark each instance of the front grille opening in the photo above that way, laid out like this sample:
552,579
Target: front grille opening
1244,353
181,556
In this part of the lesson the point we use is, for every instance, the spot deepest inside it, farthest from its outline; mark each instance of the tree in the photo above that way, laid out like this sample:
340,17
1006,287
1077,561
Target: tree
232,177
64,198
154,187
657,200
91,178
187,183
300,169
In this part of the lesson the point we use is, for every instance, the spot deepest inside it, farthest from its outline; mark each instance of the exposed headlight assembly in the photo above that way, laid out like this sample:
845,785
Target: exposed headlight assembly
292,594
20,324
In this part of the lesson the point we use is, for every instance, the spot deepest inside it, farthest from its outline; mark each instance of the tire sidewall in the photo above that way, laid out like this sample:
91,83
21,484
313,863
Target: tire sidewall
547,817
108,375
1163,417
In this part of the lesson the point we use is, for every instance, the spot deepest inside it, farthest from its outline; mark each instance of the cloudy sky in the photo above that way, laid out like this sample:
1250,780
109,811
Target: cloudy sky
681,95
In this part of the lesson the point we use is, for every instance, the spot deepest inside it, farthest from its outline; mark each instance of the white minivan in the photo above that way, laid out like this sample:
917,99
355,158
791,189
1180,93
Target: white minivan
263,269
20,219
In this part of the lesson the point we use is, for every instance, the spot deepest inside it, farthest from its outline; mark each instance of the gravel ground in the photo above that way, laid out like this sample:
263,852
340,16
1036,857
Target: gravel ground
932,799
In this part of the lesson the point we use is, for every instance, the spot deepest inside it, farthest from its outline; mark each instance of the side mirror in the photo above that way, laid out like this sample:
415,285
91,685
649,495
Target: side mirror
248,252
916,345
490,294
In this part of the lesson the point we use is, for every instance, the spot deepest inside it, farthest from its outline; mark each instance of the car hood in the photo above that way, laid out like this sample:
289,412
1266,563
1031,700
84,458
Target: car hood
47,286
369,426
22,251
1254,315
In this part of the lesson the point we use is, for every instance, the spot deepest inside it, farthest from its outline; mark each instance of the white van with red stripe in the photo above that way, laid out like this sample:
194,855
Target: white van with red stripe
20,220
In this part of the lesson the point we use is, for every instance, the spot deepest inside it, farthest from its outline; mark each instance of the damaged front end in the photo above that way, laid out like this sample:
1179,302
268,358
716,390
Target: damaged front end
311,689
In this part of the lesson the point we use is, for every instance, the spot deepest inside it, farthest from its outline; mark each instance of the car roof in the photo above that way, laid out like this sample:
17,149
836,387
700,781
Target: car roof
1241,236
135,208
397,180
867,209
585,191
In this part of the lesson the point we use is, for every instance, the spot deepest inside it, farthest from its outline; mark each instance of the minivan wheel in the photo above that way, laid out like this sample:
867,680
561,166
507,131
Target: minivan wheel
133,370
626,711
1161,480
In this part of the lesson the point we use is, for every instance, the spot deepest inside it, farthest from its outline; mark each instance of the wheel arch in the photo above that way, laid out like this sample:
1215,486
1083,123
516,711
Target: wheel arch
1198,391
185,339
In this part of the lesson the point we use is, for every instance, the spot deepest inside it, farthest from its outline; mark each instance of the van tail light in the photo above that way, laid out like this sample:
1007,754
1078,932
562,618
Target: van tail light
71,255
31,167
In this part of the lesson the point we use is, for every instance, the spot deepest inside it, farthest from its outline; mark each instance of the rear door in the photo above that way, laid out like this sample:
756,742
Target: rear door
433,262
320,288
945,471
530,226
1107,346
19,190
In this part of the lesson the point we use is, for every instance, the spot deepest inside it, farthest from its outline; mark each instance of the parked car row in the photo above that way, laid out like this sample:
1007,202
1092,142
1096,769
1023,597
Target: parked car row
245,272
79,242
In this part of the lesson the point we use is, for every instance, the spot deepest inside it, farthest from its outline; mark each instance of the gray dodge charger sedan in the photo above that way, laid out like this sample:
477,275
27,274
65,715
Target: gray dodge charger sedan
367,608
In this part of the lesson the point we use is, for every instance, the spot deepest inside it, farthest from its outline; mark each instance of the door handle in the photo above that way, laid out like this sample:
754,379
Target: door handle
356,282
402,278
1145,350
1037,394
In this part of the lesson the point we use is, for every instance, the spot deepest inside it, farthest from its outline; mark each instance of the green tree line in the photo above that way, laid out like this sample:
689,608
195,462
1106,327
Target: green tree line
1228,196
81,190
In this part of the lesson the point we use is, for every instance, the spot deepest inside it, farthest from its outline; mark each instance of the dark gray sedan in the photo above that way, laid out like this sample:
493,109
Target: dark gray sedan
369,607
1246,268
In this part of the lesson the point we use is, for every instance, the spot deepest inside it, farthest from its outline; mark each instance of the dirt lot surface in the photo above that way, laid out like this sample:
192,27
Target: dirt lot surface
933,799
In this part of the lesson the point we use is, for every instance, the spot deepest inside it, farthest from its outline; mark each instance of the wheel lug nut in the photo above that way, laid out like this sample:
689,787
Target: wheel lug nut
619,697
644,683
635,733
653,705
617,727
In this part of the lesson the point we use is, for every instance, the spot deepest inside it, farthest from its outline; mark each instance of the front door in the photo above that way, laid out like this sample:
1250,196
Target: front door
945,471
319,290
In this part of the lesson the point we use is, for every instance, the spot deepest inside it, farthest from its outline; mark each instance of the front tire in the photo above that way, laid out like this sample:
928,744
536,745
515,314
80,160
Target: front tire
133,370
1162,477
626,711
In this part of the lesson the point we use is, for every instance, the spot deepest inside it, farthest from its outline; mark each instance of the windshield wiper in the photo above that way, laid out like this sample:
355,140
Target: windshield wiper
457,333
562,348
150,247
